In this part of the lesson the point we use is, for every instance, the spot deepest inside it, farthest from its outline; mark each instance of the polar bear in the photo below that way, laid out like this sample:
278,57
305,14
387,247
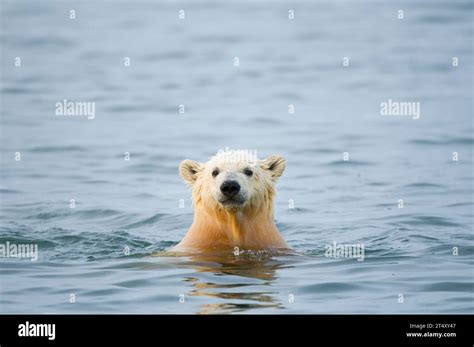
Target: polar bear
233,203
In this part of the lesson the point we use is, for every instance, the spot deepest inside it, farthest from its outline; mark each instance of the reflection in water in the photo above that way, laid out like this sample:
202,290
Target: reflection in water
237,295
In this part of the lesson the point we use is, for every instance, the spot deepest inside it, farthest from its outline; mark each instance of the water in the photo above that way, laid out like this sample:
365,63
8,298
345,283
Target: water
135,203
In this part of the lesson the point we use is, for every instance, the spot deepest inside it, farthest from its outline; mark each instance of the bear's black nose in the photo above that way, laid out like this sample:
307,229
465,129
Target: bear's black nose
230,188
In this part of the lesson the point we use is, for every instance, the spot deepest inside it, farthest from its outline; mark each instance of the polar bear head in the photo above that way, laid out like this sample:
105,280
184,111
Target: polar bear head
233,181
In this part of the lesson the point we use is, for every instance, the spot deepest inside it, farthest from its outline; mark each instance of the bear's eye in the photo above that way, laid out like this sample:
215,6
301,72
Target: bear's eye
248,172
215,173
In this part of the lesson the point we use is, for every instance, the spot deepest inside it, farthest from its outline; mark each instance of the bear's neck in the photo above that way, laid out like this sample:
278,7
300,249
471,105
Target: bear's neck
215,230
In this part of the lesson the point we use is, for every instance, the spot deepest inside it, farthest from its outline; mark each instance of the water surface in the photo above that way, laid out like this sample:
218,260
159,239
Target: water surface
127,211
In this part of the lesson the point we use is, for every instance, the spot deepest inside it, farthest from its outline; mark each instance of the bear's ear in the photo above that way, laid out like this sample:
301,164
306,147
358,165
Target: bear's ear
189,169
275,164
